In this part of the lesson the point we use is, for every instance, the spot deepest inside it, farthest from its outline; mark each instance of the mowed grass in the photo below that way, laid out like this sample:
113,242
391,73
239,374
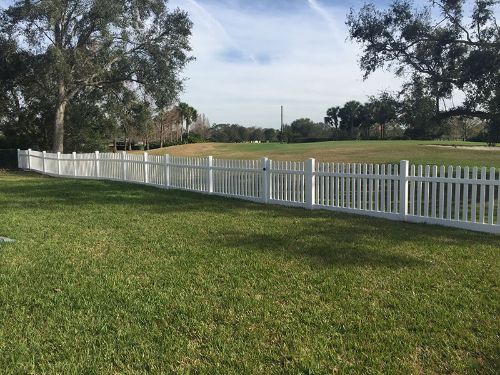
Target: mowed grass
418,152
110,278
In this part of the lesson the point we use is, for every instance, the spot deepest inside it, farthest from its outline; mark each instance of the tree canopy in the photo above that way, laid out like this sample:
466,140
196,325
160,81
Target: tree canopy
68,47
449,48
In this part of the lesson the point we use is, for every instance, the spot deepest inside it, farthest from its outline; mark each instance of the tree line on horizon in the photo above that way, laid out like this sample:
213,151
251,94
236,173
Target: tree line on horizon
406,116
78,76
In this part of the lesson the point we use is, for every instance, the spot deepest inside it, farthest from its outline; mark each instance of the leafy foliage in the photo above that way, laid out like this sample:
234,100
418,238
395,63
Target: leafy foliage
73,46
447,50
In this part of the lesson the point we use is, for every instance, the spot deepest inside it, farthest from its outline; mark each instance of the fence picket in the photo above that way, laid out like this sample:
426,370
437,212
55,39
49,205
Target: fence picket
482,194
491,200
465,204
434,191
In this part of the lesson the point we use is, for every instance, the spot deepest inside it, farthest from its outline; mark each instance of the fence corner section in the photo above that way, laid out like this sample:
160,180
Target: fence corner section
310,182
404,168
265,192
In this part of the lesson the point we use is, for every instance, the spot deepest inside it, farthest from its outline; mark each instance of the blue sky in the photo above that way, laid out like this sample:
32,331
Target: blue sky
253,56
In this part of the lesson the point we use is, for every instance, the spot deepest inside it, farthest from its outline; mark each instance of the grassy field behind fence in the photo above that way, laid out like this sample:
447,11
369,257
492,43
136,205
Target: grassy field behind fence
118,278
418,152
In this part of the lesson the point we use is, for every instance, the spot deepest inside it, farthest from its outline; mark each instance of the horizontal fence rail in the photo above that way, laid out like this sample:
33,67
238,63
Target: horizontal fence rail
453,196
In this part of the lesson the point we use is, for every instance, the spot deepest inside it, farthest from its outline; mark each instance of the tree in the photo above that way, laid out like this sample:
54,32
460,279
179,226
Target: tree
464,128
350,117
447,51
332,117
384,109
100,44
201,126
24,107
305,129
271,135
417,111
187,114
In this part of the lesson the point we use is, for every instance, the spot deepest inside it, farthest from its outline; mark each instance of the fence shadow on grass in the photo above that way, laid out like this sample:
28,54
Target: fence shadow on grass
324,238
319,249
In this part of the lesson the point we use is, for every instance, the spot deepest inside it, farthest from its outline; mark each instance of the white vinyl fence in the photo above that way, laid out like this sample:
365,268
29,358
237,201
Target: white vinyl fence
460,197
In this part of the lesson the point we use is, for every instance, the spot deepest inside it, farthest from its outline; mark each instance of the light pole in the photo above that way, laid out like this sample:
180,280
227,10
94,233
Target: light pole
281,125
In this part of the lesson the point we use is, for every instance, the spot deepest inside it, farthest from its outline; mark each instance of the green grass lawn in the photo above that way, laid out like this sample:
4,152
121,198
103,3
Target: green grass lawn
110,278
418,152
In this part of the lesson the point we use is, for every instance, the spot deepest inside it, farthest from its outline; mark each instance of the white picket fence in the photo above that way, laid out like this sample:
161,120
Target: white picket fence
460,197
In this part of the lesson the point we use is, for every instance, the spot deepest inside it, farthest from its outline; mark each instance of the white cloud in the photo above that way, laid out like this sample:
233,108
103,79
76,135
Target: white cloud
249,62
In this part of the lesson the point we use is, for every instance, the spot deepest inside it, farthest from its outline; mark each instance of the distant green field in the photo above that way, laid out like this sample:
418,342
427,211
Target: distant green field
419,152
115,278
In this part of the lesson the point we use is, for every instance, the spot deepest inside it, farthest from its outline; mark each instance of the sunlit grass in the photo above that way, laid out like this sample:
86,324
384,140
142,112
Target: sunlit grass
418,152
118,278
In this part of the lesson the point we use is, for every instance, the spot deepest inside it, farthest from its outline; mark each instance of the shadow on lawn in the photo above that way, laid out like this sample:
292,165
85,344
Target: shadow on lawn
323,237
339,248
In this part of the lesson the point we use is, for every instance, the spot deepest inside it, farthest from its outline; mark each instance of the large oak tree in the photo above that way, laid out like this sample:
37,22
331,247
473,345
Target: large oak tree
89,44
452,44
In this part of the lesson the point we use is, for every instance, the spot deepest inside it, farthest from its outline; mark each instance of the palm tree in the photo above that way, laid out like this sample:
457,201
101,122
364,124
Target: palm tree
188,114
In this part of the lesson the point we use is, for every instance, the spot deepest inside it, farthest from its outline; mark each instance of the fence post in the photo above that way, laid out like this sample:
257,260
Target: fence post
404,166
74,164
29,158
210,175
58,163
18,159
124,166
310,182
146,168
43,161
97,171
167,170
265,193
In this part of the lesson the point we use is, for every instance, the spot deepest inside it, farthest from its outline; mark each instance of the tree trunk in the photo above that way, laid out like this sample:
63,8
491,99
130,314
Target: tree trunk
58,141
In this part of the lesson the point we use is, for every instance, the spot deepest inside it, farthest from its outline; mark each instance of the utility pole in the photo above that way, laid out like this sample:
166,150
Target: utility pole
281,125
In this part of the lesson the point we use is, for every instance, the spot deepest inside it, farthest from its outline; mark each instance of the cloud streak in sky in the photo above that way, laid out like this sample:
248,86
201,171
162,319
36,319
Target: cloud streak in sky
215,27
323,14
